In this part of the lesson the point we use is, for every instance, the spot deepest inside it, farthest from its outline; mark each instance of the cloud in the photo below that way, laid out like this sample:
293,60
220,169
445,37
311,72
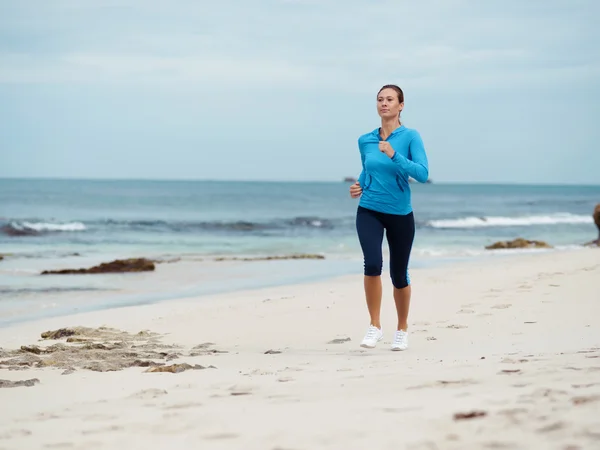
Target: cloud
435,44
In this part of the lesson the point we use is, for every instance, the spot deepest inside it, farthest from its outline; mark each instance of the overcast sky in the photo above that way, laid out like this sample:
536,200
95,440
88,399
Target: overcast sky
500,90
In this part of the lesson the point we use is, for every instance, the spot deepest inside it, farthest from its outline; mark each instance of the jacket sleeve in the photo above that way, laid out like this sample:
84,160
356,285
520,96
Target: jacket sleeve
416,165
361,177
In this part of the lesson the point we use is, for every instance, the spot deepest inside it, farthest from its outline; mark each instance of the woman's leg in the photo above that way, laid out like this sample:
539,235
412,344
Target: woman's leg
400,232
370,236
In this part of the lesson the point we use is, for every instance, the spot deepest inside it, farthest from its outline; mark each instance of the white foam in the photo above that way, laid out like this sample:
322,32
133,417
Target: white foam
499,221
44,226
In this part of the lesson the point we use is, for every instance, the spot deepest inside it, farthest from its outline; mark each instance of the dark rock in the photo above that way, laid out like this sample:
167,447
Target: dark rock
139,363
11,230
31,349
117,266
175,368
596,216
518,243
203,349
58,334
26,383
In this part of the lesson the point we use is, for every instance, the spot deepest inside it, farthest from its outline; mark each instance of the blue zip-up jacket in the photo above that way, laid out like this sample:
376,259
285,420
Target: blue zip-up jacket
384,180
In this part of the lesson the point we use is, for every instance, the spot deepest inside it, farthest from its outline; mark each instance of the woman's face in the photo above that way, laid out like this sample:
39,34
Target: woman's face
388,106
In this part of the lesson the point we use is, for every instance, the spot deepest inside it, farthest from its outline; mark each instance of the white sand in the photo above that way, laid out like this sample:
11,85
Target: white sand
516,337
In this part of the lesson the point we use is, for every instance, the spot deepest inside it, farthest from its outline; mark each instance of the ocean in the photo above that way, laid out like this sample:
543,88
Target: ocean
50,224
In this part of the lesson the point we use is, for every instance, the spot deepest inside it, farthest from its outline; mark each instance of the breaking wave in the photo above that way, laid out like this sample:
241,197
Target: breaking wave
499,221
24,228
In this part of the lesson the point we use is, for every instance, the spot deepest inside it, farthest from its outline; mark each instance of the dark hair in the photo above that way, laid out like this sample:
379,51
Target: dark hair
395,88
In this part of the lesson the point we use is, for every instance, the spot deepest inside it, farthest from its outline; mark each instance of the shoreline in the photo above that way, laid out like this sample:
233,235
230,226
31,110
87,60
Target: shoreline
492,342
237,276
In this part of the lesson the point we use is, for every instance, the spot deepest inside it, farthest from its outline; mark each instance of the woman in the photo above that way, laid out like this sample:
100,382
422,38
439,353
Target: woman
390,155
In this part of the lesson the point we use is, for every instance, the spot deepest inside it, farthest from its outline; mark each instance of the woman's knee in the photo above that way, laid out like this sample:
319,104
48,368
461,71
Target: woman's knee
373,268
400,280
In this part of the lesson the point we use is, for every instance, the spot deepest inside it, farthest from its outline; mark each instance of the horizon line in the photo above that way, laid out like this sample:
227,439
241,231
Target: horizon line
241,180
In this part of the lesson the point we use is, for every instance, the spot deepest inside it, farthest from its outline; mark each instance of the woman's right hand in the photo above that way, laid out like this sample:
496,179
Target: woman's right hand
355,190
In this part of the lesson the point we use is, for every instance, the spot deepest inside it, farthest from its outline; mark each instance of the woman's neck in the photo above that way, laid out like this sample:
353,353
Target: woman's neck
387,126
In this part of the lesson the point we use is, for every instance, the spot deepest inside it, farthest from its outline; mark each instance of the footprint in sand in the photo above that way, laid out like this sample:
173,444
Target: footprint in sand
258,372
103,429
401,409
442,383
285,379
583,400
457,327
99,417
552,427
182,406
513,361
240,390
10,434
509,371
422,324
148,394
513,411
339,340
60,445
584,386
291,369
221,436
502,306
465,311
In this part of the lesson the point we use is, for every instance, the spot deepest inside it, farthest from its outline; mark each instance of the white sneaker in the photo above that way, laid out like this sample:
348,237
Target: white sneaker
373,336
400,340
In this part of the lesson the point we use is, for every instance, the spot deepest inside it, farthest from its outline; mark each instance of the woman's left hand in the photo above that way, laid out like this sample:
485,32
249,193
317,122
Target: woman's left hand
386,148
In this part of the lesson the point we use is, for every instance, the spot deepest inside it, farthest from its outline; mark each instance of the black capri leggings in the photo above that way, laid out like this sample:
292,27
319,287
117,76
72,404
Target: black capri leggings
400,233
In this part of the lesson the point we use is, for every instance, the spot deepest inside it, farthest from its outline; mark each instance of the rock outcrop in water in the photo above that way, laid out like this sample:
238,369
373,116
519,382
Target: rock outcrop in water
518,243
117,266
596,216
11,230
101,350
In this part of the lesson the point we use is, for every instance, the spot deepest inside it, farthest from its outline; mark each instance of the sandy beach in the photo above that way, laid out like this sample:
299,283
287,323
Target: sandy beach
503,354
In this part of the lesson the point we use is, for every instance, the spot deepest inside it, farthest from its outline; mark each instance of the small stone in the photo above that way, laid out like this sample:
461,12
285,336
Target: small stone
469,415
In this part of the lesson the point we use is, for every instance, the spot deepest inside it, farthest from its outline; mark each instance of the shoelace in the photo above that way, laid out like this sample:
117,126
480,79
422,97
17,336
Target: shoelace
371,332
399,338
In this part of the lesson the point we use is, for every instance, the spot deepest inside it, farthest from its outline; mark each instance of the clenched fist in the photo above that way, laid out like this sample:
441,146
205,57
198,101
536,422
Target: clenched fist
355,190
386,148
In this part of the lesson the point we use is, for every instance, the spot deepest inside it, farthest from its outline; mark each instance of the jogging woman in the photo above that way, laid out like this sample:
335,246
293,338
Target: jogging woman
390,154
